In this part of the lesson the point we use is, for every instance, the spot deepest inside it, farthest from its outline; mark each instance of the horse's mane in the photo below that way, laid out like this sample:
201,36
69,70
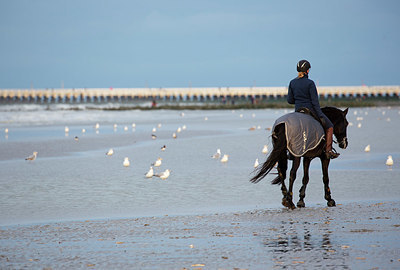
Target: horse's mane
333,113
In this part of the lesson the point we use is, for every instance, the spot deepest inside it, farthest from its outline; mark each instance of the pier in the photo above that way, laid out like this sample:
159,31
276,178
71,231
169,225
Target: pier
186,95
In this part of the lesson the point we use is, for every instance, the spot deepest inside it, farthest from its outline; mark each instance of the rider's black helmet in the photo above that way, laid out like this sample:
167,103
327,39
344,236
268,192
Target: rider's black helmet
303,66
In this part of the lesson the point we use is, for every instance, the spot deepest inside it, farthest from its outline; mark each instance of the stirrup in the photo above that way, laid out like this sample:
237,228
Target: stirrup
332,154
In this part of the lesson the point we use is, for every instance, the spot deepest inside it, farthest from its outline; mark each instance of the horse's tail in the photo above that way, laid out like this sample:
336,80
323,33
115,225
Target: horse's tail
279,150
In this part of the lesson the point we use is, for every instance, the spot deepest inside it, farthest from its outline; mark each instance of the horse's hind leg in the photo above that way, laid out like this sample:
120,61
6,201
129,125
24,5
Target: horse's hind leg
282,168
306,178
328,198
292,178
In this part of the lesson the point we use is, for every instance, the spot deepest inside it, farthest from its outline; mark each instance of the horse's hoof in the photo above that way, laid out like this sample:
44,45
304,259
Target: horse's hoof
301,204
288,204
331,203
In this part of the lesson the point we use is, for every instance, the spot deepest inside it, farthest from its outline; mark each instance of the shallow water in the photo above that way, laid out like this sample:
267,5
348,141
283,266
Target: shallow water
73,180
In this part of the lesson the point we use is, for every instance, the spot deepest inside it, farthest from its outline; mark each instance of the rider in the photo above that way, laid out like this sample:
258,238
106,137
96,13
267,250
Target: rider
303,93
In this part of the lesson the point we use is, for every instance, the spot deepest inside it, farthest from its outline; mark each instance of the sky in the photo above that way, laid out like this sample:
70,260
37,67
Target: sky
207,43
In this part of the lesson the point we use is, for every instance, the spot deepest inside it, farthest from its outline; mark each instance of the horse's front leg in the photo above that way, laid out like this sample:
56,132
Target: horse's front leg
306,178
328,198
292,178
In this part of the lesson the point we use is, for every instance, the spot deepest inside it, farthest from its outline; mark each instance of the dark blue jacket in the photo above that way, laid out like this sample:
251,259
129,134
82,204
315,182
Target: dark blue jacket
303,93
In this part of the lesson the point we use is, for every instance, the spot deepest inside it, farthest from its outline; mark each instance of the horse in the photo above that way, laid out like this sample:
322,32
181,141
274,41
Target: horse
280,155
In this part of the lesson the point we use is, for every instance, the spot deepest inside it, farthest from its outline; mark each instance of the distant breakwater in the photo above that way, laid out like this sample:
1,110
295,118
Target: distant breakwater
206,96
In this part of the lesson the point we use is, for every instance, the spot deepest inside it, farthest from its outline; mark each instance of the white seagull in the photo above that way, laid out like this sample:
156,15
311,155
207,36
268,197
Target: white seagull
32,157
126,162
110,152
158,162
150,173
164,175
224,159
367,148
265,149
163,148
174,135
389,161
217,154
66,129
256,163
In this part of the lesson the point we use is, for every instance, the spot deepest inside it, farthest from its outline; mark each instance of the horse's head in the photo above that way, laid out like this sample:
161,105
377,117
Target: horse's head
339,121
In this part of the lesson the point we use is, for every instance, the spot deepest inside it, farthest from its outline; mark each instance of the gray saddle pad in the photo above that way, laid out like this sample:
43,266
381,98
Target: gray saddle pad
303,132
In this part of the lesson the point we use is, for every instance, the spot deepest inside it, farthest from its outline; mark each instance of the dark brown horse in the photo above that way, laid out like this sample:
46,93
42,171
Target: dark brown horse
280,155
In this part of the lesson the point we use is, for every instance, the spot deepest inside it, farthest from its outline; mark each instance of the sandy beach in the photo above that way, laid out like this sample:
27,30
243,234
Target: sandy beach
74,207
349,236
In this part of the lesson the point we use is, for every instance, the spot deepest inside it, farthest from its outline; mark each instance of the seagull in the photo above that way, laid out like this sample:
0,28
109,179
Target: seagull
110,152
76,138
224,159
153,136
158,162
179,130
256,163
174,135
126,162
83,130
367,148
32,157
6,130
359,125
150,173
265,149
154,129
115,126
66,129
217,154
97,126
389,161
184,127
164,175
159,125
133,125
125,128
163,148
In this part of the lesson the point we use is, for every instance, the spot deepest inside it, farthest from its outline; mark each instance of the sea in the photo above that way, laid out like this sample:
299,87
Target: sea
72,178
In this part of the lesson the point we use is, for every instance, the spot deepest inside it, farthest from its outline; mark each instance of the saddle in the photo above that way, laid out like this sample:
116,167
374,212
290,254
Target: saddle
311,113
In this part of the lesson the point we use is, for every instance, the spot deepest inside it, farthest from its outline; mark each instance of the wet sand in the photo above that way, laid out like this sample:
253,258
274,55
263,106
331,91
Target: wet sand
349,236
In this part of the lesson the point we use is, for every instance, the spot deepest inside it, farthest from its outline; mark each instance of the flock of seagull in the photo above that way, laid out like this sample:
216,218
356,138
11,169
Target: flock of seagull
126,162
163,175
218,155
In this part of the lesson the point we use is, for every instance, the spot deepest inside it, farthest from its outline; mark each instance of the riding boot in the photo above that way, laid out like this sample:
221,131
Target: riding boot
328,150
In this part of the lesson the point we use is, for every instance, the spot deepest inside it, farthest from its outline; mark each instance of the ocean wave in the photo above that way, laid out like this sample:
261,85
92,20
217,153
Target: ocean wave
69,107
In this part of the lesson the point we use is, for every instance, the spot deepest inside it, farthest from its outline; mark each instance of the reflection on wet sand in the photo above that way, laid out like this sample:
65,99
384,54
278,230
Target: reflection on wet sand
293,243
